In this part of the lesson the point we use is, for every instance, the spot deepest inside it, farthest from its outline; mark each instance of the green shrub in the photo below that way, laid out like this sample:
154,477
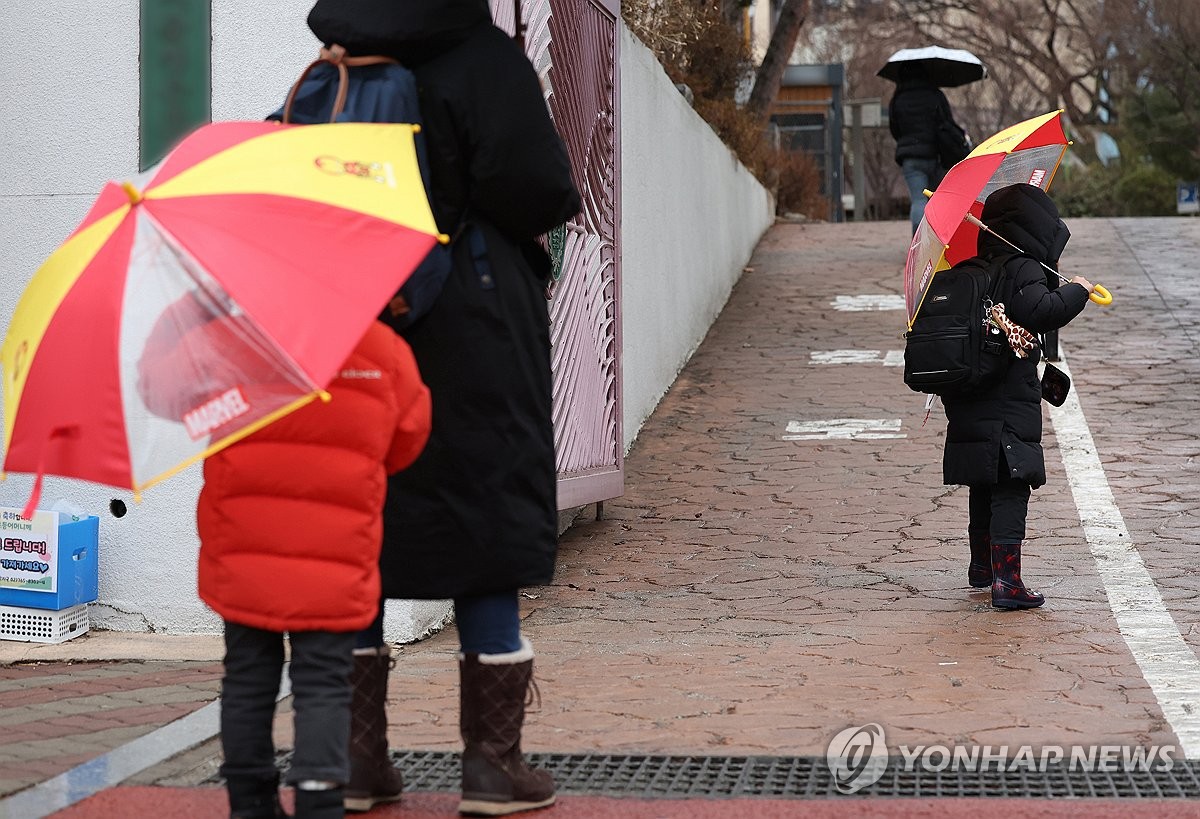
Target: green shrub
1122,189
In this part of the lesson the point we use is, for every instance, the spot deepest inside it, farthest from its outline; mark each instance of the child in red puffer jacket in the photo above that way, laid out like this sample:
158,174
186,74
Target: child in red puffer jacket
290,530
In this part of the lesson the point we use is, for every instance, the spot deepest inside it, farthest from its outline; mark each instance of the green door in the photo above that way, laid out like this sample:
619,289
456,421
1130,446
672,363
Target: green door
176,73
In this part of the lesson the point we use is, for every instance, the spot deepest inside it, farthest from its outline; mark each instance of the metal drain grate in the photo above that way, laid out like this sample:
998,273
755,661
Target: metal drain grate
797,777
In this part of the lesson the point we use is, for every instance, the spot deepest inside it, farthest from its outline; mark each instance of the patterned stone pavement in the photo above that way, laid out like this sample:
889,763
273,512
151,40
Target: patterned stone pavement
752,594
755,595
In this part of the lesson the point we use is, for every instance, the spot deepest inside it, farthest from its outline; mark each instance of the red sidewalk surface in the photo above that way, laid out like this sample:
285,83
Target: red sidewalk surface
182,803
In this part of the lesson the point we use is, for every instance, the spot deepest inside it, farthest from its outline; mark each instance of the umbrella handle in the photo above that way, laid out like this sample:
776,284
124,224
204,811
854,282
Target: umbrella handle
1099,294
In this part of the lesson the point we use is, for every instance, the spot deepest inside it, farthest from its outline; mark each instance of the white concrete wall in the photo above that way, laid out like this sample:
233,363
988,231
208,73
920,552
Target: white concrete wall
691,215
690,218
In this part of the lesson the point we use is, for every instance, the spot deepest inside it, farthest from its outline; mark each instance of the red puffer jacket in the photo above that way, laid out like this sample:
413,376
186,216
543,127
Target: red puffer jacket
290,517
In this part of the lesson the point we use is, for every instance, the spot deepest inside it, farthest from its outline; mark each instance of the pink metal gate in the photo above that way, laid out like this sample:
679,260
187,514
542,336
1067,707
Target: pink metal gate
573,45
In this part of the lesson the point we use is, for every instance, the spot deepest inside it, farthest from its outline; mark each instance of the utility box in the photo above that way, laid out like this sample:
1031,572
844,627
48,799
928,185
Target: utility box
48,573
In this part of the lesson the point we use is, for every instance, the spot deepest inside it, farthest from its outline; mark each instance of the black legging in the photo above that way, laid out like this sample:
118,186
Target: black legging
1000,508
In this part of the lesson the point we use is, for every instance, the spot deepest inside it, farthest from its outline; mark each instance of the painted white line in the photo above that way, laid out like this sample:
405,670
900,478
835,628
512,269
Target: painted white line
889,358
872,302
858,429
844,357
1168,664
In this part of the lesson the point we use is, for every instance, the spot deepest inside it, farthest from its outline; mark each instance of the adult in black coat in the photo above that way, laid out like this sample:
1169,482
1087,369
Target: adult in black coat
994,436
475,518
915,111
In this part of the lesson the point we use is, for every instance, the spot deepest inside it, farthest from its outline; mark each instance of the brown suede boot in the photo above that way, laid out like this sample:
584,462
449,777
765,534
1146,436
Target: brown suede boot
979,570
373,778
495,777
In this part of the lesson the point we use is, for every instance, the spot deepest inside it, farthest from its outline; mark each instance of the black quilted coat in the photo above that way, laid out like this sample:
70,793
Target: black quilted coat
477,511
916,108
1008,416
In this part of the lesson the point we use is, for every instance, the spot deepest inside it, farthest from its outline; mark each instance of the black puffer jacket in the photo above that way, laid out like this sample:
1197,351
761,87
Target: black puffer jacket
916,108
1007,417
476,513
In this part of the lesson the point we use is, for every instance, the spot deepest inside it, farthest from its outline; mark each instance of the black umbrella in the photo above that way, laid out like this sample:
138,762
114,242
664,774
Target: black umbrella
945,67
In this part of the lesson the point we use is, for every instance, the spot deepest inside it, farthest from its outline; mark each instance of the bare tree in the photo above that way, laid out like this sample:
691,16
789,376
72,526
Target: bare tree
779,51
1041,54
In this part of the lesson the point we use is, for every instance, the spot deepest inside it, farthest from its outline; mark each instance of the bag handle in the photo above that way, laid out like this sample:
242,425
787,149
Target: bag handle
336,56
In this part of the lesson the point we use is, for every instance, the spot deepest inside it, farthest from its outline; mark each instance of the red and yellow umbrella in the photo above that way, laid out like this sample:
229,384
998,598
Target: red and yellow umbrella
292,237
1028,152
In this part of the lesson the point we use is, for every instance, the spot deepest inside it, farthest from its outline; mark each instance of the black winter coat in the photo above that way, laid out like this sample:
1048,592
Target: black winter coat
477,512
914,112
1007,417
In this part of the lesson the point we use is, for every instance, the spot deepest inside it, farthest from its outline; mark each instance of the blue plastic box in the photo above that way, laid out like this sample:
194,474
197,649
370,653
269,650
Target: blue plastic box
78,570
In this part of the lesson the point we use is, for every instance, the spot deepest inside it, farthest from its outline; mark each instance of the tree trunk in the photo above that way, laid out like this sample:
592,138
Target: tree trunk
779,51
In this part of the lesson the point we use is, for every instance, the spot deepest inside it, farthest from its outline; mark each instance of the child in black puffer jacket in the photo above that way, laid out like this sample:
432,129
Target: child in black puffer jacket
994,436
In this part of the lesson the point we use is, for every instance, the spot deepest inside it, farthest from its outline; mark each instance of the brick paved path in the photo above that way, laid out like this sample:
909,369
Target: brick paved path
54,716
753,595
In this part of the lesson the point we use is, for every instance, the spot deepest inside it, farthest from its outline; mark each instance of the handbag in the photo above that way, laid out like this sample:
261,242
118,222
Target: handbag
1055,385
952,143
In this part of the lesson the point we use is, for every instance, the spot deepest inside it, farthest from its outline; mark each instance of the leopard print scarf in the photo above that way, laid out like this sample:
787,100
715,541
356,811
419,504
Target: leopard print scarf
1021,340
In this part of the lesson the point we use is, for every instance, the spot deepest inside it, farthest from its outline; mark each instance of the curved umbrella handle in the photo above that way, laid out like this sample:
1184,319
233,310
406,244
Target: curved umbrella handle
1099,294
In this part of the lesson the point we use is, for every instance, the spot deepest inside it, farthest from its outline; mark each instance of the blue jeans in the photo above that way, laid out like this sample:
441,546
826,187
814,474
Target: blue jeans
487,624
920,174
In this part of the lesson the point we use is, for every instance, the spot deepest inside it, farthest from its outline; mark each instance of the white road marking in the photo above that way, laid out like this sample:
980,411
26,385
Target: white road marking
1168,664
856,429
889,358
859,304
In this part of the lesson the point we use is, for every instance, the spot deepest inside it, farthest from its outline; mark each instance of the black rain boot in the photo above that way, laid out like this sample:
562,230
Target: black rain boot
979,571
254,798
496,780
1008,592
373,778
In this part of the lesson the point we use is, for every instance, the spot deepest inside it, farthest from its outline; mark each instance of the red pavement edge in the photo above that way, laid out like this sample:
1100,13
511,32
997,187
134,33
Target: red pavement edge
199,803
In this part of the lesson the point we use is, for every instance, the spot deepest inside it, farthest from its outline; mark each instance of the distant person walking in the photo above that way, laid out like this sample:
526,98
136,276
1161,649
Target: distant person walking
475,518
994,436
923,126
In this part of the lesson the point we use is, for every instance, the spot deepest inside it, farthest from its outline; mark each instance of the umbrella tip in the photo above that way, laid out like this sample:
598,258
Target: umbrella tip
135,196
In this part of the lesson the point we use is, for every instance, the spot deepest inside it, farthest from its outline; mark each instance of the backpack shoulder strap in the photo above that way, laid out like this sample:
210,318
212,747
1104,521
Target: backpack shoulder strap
996,268
336,56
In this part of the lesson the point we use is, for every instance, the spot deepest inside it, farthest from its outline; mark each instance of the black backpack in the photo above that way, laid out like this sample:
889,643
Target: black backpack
953,347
